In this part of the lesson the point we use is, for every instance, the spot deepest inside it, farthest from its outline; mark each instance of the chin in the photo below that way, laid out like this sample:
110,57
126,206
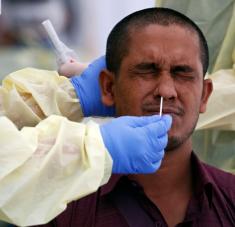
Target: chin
173,143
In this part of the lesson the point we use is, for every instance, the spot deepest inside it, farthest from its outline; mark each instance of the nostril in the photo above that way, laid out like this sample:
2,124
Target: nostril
165,87
172,98
168,95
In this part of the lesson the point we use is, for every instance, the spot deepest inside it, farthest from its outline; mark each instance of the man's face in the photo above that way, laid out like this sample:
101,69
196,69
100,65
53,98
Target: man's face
162,61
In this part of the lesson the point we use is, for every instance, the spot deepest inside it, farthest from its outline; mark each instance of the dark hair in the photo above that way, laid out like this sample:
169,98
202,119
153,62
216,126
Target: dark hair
119,37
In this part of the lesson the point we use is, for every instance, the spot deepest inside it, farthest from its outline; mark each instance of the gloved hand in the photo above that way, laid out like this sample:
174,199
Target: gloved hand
136,144
88,91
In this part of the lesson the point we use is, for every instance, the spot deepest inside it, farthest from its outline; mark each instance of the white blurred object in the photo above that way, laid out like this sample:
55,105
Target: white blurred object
63,53
33,12
99,17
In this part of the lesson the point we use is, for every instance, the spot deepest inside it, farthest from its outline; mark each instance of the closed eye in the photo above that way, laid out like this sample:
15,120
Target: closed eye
145,68
183,71
182,68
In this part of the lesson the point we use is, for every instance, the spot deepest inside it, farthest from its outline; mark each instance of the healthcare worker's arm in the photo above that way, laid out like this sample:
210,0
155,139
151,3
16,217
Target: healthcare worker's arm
45,167
56,154
29,95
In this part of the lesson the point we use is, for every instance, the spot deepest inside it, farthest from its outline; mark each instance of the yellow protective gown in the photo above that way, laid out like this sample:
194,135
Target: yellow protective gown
43,168
220,112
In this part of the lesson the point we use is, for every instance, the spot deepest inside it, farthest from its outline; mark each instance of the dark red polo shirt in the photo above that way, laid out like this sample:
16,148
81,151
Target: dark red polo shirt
123,203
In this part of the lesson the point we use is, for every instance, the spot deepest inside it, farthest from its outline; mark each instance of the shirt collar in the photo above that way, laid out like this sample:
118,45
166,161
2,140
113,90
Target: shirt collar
203,182
105,189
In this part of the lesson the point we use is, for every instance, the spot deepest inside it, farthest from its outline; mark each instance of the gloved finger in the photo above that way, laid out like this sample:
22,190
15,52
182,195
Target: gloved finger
141,121
155,155
156,129
168,120
156,165
162,141
152,167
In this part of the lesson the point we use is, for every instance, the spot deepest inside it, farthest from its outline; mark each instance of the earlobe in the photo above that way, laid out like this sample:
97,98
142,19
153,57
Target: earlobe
207,90
107,87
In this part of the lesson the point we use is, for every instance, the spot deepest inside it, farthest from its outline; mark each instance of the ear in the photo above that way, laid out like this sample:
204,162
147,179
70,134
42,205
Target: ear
107,80
207,90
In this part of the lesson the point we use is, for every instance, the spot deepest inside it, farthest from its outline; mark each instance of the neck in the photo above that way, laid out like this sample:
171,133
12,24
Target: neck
171,184
174,172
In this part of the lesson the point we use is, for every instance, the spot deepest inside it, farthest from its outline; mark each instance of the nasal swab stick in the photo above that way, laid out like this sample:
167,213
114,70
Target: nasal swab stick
161,105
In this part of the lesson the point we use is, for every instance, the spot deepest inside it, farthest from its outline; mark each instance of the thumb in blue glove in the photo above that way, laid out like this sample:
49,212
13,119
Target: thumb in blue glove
88,91
136,144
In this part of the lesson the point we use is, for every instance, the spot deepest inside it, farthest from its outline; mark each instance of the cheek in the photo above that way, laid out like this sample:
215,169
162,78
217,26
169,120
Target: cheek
190,96
189,99
129,97
191,106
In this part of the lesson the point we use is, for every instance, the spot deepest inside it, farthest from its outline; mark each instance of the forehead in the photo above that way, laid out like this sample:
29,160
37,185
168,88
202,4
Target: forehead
157,42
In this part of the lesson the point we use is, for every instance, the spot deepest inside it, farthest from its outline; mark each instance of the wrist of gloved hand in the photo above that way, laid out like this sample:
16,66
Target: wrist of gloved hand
88,90
136,144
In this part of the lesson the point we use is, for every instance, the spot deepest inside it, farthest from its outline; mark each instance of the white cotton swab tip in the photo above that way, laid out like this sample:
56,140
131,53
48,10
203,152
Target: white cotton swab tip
161,105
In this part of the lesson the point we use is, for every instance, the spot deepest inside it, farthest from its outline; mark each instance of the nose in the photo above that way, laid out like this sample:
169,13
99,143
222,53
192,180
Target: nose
165,87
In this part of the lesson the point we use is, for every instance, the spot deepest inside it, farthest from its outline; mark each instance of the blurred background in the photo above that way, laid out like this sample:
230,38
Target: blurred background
84,25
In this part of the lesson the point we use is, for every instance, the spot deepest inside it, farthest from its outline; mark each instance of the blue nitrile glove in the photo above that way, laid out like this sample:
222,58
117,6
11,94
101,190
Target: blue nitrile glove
136,144
88,90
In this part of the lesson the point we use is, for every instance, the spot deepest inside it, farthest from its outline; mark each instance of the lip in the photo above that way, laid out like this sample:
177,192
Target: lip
154,109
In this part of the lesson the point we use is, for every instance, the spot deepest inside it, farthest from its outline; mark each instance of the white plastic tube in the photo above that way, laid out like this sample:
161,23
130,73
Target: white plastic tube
63,53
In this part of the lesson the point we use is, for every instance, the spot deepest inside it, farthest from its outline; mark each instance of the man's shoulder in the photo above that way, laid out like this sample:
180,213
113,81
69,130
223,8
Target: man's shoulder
221,179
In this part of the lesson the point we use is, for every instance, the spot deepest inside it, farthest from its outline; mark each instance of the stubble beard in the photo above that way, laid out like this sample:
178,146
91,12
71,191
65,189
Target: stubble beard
174,142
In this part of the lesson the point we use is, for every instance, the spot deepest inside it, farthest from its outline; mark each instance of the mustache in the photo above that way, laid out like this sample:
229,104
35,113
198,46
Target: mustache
167,108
